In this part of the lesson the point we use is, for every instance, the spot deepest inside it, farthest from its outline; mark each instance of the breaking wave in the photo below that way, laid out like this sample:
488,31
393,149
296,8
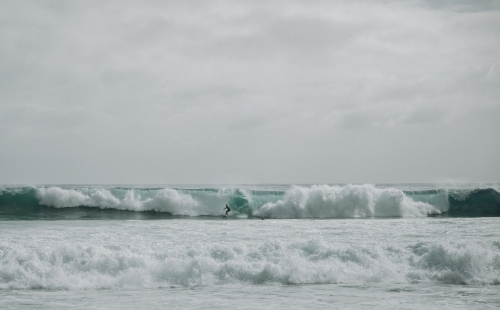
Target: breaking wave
312,261
345,202
316,201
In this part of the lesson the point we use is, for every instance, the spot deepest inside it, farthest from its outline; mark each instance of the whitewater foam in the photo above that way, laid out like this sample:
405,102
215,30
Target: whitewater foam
164,200
313,261
323,201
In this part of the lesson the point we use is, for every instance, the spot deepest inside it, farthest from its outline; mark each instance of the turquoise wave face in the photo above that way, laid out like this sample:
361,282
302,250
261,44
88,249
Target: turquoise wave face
316,201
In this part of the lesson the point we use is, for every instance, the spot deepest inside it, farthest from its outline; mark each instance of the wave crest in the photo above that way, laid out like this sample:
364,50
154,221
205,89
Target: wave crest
316,201
324,201
164,200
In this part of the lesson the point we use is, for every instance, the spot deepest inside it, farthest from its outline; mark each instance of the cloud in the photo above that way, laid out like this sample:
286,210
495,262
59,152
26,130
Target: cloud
208,75
463,5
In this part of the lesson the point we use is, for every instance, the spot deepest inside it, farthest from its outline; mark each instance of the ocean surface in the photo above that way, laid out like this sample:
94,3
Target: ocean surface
394,246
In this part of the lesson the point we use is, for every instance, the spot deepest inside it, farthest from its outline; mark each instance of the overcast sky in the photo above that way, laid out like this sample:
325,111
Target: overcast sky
249,91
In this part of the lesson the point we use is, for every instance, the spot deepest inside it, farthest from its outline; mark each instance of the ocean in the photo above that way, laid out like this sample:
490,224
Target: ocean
354,246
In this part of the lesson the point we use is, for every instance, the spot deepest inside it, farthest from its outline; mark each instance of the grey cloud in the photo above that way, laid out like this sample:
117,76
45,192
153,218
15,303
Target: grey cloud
494,71
245,123
211,92
34,122
463,5
174,83
309,36
424,116
356,120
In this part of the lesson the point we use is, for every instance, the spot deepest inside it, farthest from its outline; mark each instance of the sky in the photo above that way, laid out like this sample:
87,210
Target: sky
242,92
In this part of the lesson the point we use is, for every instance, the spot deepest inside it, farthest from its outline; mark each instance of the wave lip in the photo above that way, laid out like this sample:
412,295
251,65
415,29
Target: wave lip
324,201
478,202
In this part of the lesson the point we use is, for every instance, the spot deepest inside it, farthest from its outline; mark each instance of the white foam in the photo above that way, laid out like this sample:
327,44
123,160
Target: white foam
324,201
62,198
462,264
164,200
312,261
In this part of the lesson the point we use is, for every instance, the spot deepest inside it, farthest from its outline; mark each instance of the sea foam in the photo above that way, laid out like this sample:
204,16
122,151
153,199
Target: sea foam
312,261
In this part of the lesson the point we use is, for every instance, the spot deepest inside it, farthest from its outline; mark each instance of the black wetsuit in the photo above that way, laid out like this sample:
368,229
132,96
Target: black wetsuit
227,210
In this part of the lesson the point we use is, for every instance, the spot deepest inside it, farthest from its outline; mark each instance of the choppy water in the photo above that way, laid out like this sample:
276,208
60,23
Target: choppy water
331,246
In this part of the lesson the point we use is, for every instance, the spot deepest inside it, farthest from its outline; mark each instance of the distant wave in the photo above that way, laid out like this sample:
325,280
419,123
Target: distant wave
323,201
316,201
164,200
313,261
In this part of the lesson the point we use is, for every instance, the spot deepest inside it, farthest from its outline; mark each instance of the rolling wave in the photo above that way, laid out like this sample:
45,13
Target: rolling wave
316,201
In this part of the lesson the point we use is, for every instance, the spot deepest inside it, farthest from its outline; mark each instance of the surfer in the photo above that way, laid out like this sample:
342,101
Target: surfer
227,210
